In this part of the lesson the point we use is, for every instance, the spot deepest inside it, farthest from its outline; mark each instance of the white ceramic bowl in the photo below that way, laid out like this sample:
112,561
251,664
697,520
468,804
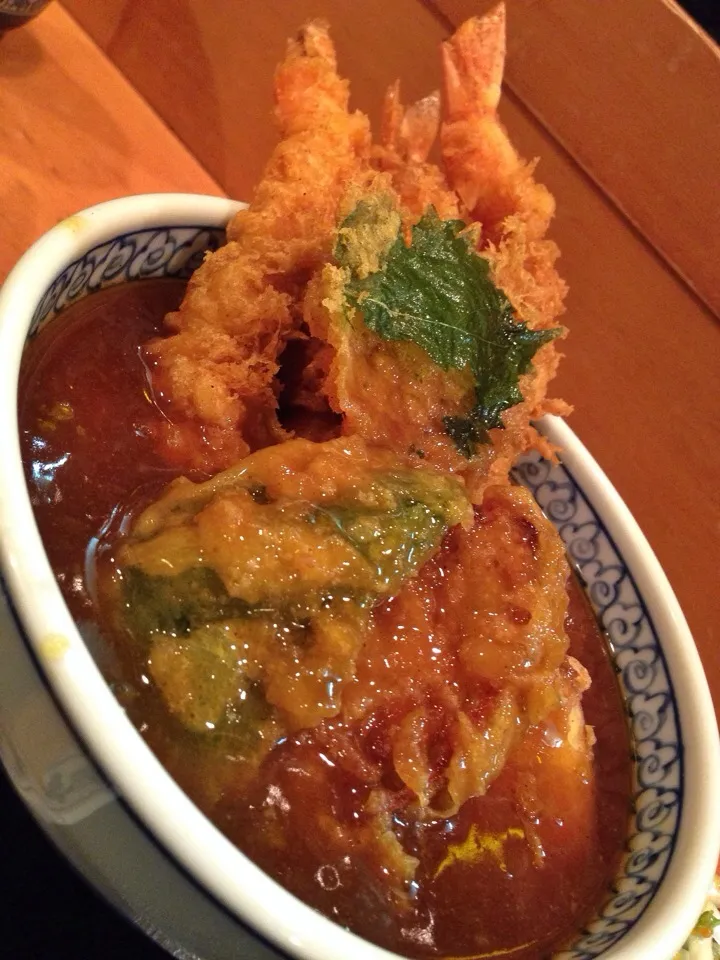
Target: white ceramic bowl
108,804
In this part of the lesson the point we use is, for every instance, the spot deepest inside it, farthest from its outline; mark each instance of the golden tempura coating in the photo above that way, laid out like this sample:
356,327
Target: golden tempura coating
273,567
498,191
482,165
322,153
464,679
525,270
239,309
273,283
426,696
366,374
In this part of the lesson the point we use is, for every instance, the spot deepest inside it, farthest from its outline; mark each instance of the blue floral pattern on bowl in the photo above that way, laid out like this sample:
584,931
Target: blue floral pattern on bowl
156,252
647,691
636,651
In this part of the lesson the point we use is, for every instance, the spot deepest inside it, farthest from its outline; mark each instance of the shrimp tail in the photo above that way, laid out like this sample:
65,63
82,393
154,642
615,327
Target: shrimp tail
410,132
473,65
481,163
308,88
406,139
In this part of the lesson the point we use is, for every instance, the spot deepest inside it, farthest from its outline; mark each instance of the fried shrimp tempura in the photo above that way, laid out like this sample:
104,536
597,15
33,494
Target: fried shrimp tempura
322,153
482,165
393,395
240,307
497,189
275,284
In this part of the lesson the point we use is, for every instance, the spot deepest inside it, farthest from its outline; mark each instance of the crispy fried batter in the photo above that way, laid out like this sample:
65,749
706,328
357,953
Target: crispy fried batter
271,283
240,307
496,611
368,375
481,163
498,189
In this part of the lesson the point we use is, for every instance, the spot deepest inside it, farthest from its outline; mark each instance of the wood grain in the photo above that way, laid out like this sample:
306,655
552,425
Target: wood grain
631,90
221,58
73,132
642,369
645,83
644,353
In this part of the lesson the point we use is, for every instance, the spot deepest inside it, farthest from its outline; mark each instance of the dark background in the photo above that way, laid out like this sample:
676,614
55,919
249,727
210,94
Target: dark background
47,912
707,14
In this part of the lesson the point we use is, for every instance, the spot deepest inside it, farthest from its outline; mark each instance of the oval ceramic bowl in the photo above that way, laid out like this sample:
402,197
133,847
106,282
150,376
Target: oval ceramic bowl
102,796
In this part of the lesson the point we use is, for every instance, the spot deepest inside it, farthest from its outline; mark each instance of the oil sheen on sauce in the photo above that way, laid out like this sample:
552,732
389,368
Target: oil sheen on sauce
89,423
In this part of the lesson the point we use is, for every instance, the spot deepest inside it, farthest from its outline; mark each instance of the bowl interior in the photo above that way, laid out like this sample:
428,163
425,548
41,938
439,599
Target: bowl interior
163,251
169,248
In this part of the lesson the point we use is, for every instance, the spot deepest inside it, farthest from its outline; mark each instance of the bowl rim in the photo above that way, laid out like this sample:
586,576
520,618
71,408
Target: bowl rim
668,919
119,751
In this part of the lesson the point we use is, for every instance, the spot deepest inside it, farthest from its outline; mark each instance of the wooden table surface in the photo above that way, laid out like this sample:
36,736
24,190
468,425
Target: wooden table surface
86,116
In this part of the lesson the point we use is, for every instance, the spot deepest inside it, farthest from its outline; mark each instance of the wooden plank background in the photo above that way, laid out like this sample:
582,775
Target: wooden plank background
78,146
644,84
631,90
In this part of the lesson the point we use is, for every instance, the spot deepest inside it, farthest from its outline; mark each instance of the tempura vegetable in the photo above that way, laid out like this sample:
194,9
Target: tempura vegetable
266,574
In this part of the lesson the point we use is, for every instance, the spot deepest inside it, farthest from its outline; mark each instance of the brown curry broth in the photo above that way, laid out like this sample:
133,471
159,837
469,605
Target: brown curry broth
88,423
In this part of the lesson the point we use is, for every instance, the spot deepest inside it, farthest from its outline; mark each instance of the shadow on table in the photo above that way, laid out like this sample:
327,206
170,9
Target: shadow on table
20,53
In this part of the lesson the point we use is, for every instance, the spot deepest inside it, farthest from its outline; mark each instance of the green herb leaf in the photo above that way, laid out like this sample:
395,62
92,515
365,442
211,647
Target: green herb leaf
397,538
437,293
395,542
202,681
176,604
